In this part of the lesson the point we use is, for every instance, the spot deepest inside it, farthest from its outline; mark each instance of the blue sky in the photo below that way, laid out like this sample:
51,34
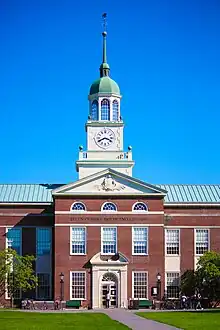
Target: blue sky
163,54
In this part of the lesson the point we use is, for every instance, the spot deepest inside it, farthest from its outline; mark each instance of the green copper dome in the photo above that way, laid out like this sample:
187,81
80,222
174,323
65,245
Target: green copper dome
104,85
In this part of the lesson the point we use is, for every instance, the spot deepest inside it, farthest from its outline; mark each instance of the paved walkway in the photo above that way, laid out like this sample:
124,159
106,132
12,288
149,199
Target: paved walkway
134,321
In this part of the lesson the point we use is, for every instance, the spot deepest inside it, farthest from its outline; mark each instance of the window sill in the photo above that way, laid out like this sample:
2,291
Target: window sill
78,254
172,255
77,298
140,254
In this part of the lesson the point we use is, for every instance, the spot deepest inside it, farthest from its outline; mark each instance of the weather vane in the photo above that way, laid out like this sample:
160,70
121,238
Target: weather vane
104,17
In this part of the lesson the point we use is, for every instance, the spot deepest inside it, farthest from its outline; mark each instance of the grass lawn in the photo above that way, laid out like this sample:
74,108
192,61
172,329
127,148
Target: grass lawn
50,321
187,320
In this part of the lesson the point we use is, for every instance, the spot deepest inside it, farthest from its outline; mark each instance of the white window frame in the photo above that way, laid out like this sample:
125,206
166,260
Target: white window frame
78,211
116,243
140,254
165,239
139,211
201,228
108,211
166,281
71,283
78,254
7,297
139,271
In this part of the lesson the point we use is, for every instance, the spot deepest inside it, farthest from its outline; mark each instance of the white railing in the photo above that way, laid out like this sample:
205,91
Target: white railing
109,155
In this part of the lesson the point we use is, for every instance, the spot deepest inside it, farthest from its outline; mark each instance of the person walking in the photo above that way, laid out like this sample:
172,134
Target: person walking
183,301
199,298
107,299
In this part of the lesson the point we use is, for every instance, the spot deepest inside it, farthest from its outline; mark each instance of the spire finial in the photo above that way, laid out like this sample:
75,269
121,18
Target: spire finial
104,68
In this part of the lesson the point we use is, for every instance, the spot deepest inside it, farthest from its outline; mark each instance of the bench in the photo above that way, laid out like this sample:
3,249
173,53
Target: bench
136,304
145,303
73,303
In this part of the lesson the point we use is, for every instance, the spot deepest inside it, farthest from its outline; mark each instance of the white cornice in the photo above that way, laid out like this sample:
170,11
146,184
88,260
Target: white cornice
110,213
192,227
192,204
108,224
107,194
193,214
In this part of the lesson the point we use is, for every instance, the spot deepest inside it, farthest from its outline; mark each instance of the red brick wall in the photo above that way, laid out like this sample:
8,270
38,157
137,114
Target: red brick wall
66,263
28,217
186,249
215,239
94,204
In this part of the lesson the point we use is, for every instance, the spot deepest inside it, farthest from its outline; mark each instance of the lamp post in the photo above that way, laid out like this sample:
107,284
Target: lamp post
159,286
61,288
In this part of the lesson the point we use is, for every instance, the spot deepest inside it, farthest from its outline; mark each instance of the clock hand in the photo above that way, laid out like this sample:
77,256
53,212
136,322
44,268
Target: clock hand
104,138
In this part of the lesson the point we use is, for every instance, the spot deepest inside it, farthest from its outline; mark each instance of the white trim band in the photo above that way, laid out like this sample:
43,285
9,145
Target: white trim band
109,212
108,225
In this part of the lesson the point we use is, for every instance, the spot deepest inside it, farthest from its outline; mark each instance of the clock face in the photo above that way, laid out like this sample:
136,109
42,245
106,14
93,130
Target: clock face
105,138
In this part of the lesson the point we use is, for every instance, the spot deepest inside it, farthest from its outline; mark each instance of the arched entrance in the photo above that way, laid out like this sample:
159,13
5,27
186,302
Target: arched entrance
109,283
109,272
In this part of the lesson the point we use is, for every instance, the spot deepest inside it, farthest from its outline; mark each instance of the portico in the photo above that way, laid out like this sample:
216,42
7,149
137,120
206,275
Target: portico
109,273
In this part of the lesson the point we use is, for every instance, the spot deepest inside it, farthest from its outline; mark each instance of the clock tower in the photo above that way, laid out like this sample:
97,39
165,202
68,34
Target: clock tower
104,127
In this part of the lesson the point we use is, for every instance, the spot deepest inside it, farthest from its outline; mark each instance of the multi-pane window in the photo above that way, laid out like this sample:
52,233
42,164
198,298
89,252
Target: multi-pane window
43,288
13,242
140,285
109,207
172,241
140,238
173,285
78,206
78,283
140,207
43,262
109,240
105,110
94,110
14,239
202,241
78,240
115,110
43,241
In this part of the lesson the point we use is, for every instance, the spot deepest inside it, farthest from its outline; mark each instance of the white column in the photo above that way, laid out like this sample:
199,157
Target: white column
95,288
123,289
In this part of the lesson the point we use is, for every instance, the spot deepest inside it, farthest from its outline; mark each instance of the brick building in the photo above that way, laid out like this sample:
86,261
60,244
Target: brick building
108,230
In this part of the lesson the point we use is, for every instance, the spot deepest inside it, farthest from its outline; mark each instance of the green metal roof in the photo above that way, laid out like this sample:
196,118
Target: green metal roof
176,193
26,193
104,85
191,193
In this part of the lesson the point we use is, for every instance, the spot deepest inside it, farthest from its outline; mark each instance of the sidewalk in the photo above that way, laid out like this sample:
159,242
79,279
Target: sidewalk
134,321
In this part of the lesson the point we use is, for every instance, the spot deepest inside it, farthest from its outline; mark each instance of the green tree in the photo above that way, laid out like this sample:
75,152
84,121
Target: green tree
208,275
206,278
16,273
188,283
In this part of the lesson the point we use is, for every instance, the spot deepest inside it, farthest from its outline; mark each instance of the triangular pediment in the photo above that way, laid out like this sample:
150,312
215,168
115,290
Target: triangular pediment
109,182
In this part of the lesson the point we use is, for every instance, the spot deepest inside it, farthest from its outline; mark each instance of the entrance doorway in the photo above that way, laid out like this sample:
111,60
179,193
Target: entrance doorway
109,284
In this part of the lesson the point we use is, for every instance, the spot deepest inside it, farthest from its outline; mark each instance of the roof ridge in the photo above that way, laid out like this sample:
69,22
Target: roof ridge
187,184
